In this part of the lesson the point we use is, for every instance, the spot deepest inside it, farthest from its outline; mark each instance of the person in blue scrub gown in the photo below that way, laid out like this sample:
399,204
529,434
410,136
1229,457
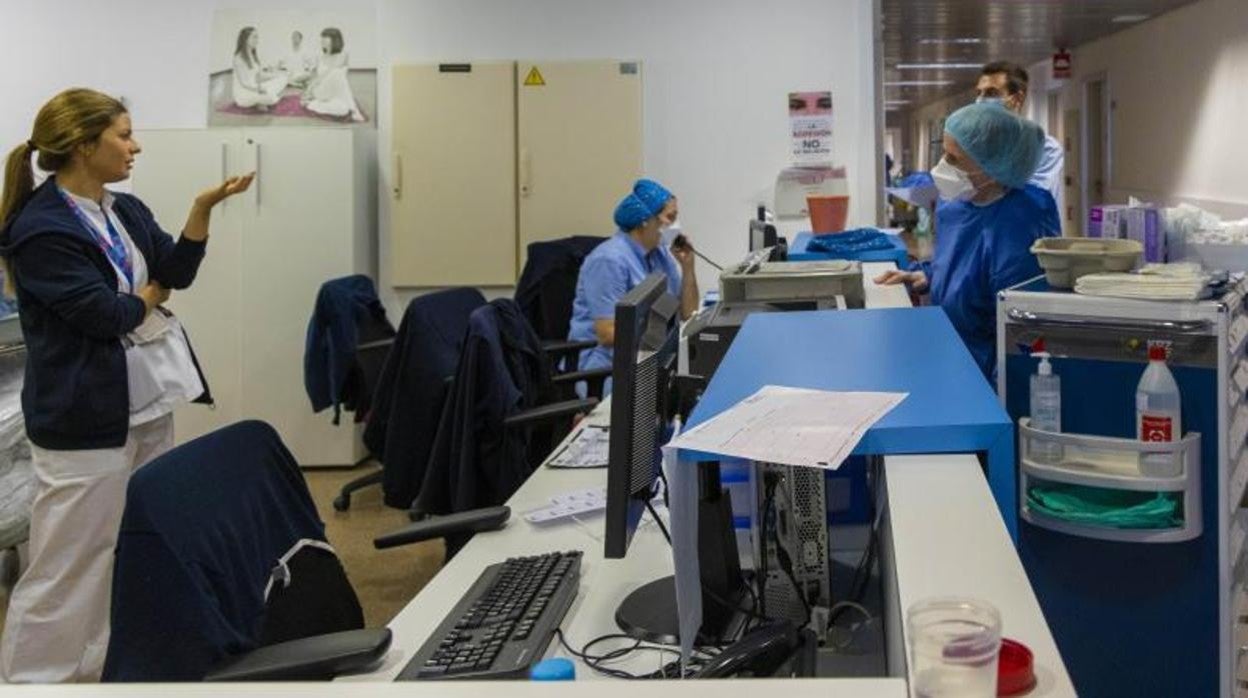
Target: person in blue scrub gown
988,217
645,218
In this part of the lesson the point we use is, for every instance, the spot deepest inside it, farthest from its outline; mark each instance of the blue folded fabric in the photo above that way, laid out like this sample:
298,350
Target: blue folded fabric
850,242
917,179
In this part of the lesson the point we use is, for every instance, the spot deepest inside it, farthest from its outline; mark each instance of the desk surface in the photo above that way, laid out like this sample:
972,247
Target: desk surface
937,503
948,540
950,407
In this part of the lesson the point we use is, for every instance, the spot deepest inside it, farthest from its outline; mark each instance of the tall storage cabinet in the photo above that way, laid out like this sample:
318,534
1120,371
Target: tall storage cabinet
488,157
309,217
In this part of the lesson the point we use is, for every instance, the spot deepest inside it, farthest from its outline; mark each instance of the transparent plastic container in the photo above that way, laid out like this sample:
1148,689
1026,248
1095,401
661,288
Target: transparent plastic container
954,643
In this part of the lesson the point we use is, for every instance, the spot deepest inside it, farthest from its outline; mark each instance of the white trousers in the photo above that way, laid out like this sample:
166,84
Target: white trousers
56,629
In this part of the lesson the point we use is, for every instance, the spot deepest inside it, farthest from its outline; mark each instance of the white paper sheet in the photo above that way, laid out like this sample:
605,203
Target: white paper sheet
791,426
682,479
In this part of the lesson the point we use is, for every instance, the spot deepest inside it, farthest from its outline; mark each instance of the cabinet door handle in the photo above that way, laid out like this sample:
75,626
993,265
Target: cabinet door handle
397,176
259,174
225,164
526,173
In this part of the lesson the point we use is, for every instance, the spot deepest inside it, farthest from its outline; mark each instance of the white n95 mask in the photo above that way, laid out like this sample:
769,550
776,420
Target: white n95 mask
952,183
669,233
990,100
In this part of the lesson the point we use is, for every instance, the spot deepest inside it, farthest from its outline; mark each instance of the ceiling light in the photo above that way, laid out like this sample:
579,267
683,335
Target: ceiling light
919,83
939,66
1128,19
963,40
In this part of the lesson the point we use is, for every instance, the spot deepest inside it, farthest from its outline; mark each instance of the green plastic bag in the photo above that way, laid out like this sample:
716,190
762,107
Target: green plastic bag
1110,508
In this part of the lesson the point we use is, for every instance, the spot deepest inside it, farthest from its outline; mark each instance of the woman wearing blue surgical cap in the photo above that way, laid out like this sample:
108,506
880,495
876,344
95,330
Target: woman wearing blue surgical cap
986,222
645,218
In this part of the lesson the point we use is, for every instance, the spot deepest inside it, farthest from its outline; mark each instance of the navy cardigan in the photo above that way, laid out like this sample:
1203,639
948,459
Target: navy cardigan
76,394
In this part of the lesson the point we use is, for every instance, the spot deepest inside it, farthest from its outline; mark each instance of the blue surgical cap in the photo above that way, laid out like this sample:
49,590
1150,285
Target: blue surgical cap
1007,147
646,201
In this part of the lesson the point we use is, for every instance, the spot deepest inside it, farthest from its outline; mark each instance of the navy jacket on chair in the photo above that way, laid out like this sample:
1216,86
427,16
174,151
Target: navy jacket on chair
476,461
343,307
547,286
203,529
413,387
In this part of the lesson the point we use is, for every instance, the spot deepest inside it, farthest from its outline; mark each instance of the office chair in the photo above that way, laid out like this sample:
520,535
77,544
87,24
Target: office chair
348,339
547,290
502,416
376,340
414,384
223,572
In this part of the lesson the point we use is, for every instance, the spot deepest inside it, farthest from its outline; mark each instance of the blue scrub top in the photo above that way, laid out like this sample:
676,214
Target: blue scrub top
980,251
613,269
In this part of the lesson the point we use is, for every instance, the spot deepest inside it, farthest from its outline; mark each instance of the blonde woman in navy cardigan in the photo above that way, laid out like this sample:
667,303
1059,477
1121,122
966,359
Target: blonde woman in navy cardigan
105,366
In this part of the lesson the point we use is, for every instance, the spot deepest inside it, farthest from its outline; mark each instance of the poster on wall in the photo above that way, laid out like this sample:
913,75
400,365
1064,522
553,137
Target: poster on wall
810,121
292,68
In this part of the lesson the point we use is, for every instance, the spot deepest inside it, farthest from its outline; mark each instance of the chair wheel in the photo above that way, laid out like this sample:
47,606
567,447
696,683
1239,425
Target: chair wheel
342,502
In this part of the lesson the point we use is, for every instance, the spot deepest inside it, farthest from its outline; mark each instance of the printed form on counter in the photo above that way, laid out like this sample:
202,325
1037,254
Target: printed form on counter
791,426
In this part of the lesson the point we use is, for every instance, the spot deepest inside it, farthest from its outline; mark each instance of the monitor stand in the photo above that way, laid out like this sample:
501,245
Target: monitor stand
649,613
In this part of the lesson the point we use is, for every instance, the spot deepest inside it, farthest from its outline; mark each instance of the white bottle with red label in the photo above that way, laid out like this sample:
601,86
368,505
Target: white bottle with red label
1157,413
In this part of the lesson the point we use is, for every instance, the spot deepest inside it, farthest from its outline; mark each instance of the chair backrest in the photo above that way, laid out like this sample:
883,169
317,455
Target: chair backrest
347,314
547,286
477,461
408,404
203,527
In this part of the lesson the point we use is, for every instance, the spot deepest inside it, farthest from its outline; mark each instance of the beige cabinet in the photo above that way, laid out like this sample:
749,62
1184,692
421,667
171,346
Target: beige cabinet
488,157
580,146
453,175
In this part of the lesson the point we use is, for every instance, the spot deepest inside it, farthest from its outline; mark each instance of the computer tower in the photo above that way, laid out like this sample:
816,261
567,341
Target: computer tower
797,520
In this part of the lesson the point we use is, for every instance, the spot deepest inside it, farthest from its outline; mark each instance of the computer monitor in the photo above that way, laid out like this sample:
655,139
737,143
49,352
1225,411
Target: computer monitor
645,395
644,361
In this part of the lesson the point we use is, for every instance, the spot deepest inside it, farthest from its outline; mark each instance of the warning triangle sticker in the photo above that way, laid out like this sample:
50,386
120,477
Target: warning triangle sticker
535,78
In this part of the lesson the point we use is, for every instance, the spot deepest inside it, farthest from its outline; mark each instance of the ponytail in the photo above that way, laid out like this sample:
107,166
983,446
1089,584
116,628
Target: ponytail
19,184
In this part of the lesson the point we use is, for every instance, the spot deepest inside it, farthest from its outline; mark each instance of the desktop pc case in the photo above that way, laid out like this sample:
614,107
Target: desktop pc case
798,519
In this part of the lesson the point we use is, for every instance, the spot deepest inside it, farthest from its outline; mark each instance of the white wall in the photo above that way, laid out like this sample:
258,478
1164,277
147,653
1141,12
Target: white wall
155,54
716,76
1178,87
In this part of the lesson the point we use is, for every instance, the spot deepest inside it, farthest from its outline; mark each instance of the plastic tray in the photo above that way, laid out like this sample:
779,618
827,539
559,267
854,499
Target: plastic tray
1064,260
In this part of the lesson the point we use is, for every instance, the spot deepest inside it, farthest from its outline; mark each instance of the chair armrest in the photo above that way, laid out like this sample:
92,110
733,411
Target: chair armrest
560,347
578,376
546,413
471,521
316,658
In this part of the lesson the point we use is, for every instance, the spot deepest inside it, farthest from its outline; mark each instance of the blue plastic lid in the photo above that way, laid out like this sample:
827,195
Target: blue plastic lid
555,669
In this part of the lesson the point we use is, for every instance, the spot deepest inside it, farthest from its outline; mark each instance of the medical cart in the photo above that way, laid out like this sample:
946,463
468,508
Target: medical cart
1136,611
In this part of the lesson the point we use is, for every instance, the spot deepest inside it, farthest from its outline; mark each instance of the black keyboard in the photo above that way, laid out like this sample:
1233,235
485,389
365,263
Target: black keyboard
502,625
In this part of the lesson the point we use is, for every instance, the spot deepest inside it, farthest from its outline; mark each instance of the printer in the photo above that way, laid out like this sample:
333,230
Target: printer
760,285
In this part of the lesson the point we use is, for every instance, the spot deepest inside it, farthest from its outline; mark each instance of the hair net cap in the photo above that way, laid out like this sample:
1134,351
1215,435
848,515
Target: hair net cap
1007,147
646,201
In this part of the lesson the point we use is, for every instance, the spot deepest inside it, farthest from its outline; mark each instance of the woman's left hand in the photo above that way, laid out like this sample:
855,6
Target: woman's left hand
682,250
231,186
